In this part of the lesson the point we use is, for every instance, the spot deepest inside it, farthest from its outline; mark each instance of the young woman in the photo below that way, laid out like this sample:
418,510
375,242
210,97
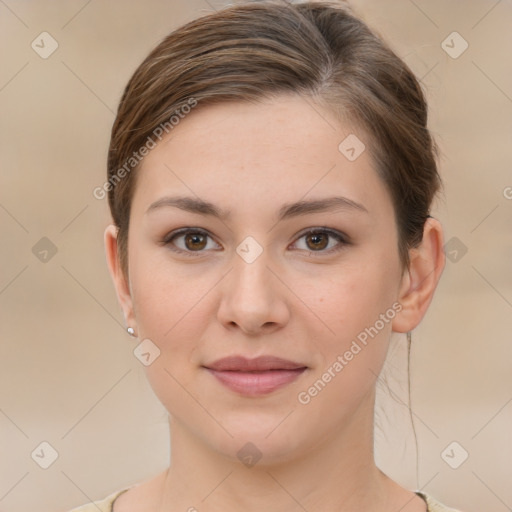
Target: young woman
270,178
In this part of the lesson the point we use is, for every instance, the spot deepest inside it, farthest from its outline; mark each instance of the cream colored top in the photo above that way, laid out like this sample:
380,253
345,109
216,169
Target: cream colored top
107,504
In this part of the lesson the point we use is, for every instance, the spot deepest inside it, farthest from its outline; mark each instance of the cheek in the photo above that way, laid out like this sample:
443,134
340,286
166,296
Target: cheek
352,355
169,310
356,304
172,306
170,313
162,293
349,298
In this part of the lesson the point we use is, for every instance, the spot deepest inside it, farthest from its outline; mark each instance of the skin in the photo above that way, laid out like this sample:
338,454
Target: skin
295,301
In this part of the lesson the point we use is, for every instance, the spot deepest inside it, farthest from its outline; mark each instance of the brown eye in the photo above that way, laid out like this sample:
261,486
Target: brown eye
317,241
195,241
321,241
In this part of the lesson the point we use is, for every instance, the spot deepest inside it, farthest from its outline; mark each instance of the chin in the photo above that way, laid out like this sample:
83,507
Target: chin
260,445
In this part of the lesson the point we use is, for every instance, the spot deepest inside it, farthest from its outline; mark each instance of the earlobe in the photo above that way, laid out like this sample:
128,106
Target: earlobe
419,282
120,280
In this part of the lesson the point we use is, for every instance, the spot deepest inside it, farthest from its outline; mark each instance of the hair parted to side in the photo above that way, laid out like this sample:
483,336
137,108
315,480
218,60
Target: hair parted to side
254,51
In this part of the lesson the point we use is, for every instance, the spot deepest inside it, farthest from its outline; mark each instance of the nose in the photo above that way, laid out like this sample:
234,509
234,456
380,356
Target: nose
253,299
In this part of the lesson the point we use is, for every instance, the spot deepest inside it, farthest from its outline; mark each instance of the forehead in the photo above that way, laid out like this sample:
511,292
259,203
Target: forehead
276,150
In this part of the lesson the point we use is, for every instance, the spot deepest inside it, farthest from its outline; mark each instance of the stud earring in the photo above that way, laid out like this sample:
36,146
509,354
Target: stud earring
131,331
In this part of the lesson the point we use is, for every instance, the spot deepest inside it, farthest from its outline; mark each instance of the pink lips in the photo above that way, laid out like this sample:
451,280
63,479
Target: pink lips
254,377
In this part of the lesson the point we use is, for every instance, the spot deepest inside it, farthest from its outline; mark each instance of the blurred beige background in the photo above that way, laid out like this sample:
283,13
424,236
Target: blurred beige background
68,375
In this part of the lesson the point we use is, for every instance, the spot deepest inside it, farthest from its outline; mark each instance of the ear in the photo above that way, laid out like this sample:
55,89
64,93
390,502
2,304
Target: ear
419,282
121,283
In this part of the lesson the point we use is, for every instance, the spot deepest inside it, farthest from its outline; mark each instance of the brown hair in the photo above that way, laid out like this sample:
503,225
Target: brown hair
260,50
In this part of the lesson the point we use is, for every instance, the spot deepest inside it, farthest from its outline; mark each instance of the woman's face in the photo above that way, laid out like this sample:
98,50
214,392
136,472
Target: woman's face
252,281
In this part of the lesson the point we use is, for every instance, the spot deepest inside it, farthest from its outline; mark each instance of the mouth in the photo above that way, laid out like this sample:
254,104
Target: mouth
255,377
256,383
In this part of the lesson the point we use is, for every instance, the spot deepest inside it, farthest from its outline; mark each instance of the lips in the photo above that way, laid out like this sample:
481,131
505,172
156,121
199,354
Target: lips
255,377
259,364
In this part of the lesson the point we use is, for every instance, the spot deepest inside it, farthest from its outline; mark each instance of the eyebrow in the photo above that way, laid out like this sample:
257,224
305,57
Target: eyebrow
287,211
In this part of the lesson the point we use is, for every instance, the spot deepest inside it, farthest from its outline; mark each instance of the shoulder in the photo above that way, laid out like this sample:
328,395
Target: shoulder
104,505
434,505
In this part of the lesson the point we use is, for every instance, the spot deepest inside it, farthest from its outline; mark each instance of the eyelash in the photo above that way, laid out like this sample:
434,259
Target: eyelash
341,238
